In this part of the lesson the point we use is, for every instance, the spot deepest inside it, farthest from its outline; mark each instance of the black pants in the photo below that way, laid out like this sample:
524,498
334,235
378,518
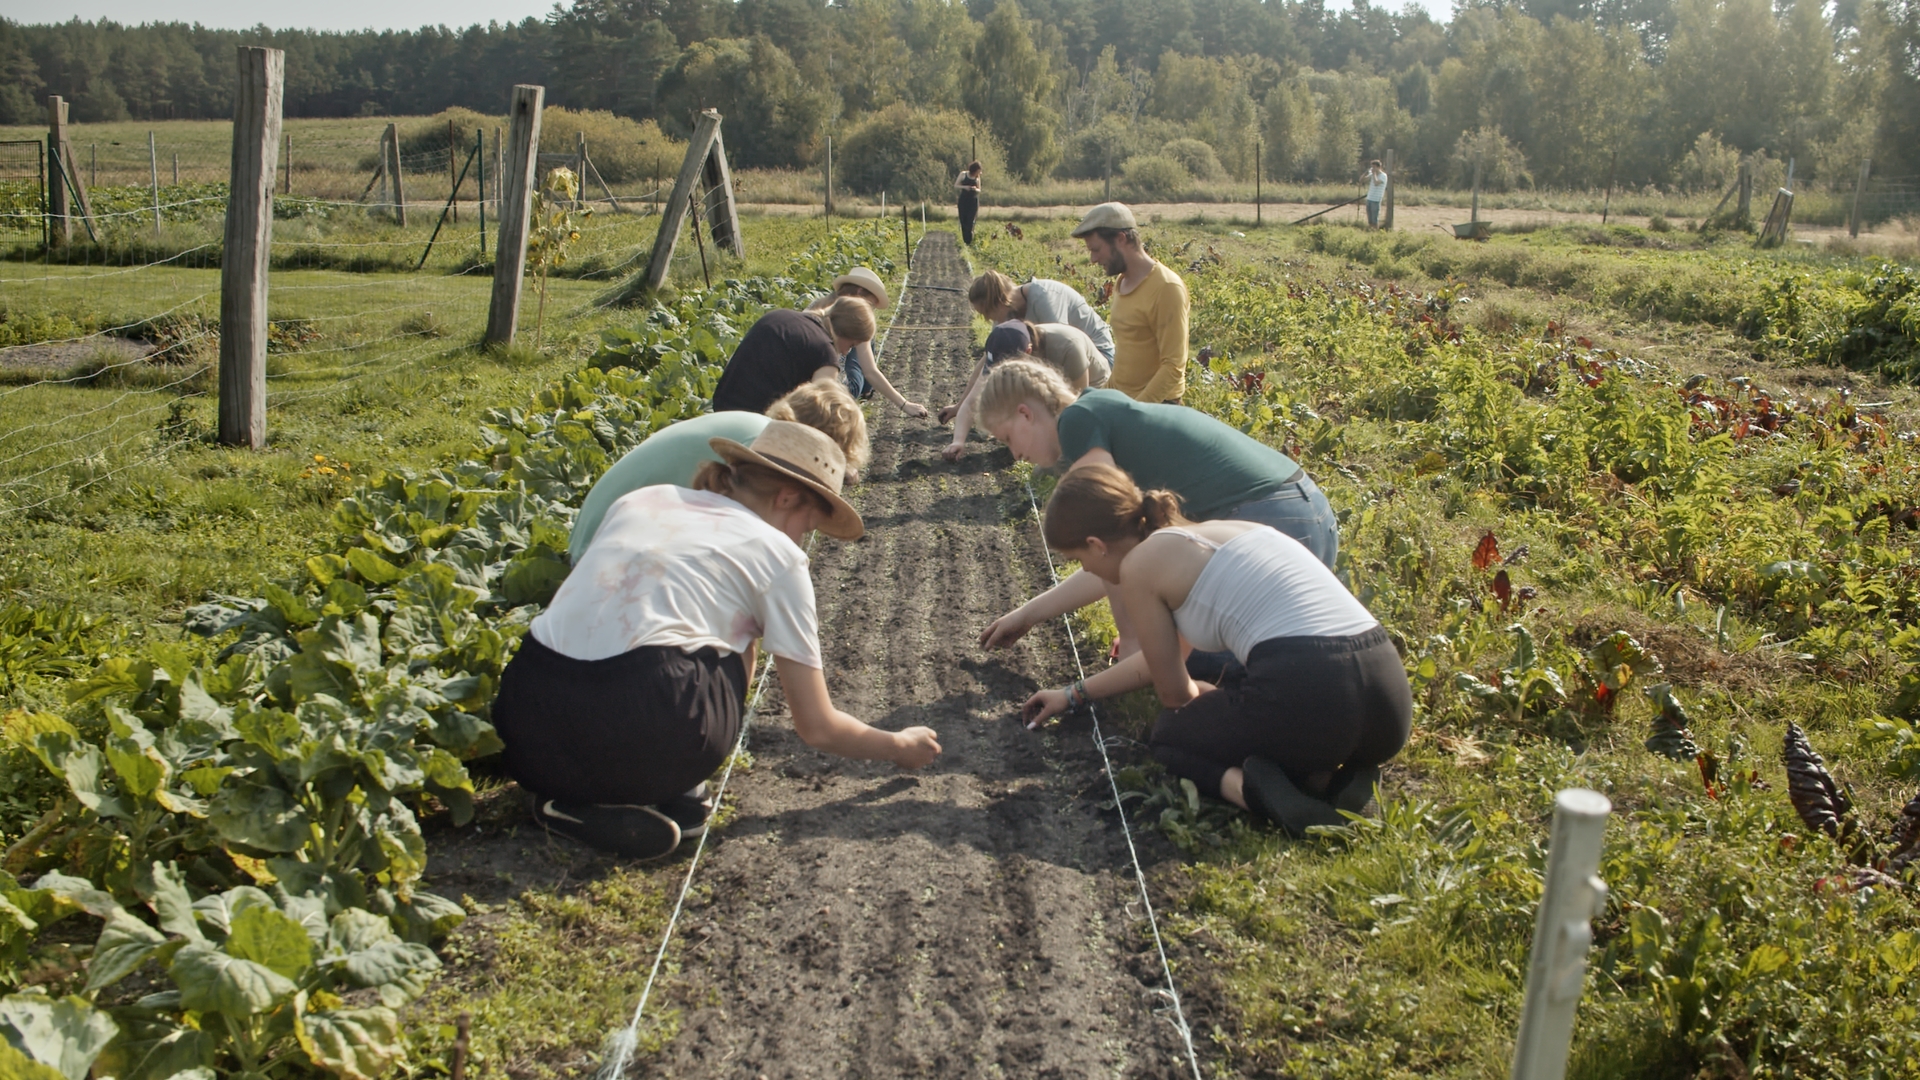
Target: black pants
638,728
969,209
1309,704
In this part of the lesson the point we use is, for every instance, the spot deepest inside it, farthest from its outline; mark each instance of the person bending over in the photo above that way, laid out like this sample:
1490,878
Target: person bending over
1218,471
628,691
1149,307
672,454
995,297
1321,698
786,349
1061,347
859,365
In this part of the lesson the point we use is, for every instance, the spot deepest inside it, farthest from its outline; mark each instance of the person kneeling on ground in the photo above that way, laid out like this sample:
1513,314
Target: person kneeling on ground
1063,348
1218,471
628,691
672,454
1321,699
786,349
858,365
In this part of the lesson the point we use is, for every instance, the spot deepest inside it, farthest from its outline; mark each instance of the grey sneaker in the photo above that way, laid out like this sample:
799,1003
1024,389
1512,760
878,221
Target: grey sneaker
1270,792
636,832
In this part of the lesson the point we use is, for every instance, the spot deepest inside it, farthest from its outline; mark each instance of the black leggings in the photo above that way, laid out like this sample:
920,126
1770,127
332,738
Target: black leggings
638,728
1308,704
969,209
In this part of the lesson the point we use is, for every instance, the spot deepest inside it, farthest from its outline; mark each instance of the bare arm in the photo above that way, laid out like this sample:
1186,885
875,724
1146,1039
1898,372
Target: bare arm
1079,590
1160,646
871,367
824,727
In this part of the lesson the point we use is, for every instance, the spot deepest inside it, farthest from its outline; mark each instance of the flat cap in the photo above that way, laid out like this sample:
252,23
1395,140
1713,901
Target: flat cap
1108,215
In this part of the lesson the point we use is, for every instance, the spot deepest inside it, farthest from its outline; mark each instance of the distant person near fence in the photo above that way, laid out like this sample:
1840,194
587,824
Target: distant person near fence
1376,181
968,183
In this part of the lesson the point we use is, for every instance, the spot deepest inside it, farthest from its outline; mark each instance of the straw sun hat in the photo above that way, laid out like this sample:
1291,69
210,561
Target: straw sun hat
808,457
867,280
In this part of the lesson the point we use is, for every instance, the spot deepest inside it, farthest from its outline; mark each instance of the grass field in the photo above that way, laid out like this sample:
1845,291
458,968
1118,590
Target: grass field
1533,388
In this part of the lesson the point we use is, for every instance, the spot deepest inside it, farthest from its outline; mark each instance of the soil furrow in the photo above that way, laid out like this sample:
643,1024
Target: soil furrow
968,920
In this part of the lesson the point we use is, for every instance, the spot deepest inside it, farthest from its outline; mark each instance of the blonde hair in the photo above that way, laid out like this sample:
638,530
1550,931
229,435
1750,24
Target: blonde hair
991,291
831,410
848,317
1014,382
748,478
1101,501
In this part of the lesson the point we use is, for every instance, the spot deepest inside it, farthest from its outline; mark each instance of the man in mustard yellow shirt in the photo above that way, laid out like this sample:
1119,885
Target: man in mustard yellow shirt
1149,317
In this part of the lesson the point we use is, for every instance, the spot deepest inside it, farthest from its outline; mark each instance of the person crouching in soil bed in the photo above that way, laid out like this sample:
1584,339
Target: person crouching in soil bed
859,366
785,349
628,691
1063,348
1320,701
674,453
1218,471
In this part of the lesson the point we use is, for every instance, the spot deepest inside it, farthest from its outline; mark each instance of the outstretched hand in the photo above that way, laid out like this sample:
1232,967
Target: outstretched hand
1005,630
948,412
954,451
917,746
1042,707
914,409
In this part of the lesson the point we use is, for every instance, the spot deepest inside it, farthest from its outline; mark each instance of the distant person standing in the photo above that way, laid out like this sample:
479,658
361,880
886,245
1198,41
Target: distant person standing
968,184
1376,181
1149,316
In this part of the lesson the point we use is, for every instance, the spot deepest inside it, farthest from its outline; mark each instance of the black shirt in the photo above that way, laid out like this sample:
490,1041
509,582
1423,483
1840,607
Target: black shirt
778,355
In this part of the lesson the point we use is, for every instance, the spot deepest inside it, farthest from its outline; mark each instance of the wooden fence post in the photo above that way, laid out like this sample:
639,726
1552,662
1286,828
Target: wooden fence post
1258,165
1386,210
1743,207
452,177
393,175
580,169
249,241
516,207
1859,185
153,166
829,188
480,153
59,206
723,218
286,163
706,135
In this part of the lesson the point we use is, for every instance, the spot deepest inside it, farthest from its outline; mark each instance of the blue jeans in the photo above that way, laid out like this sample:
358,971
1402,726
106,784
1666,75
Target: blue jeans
1300,510
1373,213
856,378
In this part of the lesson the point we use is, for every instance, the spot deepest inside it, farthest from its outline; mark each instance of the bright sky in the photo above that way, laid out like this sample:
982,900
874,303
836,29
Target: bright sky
338,14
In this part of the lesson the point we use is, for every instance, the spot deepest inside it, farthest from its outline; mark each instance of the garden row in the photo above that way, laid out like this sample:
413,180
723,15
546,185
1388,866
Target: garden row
1601,573
245,823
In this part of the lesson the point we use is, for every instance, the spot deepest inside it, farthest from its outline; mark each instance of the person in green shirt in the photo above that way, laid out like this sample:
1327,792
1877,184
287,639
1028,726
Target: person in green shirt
1218,471
672,454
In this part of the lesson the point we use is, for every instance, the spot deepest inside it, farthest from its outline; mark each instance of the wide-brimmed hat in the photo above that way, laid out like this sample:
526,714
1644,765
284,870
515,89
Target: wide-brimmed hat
1108,215
1009,338
808,457
867,280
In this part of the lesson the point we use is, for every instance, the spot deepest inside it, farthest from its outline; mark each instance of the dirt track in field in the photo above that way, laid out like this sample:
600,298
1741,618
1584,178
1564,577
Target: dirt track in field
973,919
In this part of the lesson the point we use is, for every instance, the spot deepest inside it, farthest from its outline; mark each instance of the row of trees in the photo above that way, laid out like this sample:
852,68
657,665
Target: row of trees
1552,92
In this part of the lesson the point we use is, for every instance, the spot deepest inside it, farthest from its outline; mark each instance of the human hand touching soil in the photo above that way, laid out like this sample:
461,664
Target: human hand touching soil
916,746
953,451
1043,706
948,412
914,409
1005,630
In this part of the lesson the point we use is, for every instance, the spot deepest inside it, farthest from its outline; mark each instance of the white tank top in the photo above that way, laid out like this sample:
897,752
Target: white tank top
1264,584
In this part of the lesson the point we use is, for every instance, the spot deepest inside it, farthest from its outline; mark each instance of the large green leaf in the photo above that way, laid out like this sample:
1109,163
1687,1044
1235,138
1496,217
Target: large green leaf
130,751
15,1065
64,1035
366,950
124,944
272,939
157,1048
372,569
212,981
84,767
355,1044
259,816
220,909
172,902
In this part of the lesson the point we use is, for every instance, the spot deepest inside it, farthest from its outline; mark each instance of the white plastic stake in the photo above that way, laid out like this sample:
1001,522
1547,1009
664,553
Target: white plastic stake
1562,934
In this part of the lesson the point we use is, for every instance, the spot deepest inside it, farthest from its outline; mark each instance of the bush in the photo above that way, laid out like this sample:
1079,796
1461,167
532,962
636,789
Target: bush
911,154
1502,166
1155,176
1197,158
621,149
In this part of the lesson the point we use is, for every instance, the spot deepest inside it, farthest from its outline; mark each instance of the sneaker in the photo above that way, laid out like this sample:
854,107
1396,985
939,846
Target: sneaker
636,832
1270,792
690,811
1352,789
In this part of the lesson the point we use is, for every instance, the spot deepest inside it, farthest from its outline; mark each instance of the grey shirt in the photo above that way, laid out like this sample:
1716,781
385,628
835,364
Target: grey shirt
1058,302
1068,350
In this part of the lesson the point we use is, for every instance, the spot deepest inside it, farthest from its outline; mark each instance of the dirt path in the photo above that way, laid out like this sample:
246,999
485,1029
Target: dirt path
970,920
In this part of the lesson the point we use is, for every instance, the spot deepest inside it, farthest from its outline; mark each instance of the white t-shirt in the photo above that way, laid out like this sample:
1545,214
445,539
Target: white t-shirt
674,566
1376,187
1264,584
1058,302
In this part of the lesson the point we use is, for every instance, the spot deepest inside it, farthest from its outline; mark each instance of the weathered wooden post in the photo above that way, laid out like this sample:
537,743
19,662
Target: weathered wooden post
516,207
706,158
392,139
1743,208
453,149
723,217
1859,185
1606,205
580,168
1562,934
480,159
829,187
286,164
153,166
1258,165
59,206
1386,207
249,240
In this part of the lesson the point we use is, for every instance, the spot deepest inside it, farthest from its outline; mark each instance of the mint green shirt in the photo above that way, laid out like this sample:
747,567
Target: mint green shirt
668,456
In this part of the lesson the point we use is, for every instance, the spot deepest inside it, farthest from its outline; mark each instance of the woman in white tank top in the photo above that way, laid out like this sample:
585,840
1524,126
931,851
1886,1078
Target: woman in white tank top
1322,701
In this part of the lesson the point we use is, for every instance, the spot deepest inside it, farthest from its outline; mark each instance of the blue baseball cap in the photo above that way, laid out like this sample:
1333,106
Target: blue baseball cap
1009,338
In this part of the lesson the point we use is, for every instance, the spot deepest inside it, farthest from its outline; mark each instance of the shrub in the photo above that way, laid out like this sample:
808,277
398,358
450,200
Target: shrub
911,154
1155,176
1197,158
621,149
1502,166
